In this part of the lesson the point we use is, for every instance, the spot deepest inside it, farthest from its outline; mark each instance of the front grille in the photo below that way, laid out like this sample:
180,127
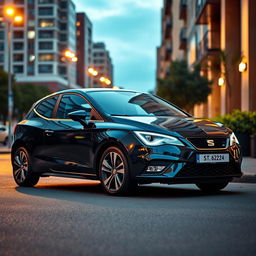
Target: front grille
209,170
209,143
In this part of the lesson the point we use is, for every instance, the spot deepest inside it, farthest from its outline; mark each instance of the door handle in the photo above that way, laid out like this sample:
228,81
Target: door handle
49,132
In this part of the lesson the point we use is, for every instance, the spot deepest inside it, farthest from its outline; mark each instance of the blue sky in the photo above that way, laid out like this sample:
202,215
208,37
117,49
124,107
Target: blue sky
131,31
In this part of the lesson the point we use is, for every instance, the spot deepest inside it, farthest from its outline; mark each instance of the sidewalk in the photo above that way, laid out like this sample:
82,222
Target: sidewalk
248,167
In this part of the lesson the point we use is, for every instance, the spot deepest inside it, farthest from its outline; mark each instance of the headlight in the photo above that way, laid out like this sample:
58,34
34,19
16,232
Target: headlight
233,140
156,139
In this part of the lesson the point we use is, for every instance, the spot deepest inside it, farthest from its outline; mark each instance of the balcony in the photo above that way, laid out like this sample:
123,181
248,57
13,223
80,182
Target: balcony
183,39
208,46
168,27
183,10
207,10
168,51
167,7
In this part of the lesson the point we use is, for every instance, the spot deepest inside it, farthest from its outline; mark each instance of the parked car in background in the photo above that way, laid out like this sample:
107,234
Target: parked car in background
3,134
122,138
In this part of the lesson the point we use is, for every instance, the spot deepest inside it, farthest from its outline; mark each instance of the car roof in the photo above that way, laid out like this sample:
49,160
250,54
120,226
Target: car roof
85,90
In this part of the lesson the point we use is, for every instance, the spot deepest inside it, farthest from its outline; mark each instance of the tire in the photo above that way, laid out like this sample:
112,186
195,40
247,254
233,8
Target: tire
22,168
211,187
114,173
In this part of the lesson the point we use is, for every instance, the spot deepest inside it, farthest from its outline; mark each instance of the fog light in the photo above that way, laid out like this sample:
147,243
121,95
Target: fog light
155,168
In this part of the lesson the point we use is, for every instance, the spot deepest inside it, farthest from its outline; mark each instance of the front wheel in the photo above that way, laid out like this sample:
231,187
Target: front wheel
212,187
22,168
114,173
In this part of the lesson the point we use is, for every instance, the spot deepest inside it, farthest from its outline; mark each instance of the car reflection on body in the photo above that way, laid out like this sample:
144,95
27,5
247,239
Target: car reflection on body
122,138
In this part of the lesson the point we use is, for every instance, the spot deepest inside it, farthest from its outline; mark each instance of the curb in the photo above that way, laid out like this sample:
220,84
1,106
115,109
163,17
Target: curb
246,178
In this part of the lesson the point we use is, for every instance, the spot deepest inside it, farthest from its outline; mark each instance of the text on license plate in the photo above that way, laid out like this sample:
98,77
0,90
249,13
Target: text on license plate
212,158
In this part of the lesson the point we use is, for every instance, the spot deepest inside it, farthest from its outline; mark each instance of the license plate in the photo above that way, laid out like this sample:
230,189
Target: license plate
212,158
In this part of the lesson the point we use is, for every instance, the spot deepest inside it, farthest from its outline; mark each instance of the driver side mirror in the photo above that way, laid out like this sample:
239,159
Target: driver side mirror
81,116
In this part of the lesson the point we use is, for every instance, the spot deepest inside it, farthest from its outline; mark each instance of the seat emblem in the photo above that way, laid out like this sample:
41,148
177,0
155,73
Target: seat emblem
210,143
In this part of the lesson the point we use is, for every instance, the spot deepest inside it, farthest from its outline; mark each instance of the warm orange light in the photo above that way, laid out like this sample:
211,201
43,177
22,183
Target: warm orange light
242,66
107,81
221,81
74,59
9,11
18,18
92,72
69,54
103,79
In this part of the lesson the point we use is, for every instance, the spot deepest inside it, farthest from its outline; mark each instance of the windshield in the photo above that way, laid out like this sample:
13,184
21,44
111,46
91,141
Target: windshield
123,103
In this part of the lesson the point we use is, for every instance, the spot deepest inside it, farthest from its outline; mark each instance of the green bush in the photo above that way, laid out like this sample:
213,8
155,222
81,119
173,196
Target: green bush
239,121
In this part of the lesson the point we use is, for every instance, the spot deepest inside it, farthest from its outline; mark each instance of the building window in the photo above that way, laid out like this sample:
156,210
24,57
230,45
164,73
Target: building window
45,11
18,46
46,23
1,58
1,46
18,1
45,68
2,35
31,69
45,34
17,69
45,1
46,57
18,34
63,37
17,57
45,45
31,23
31,45
62,70
31,34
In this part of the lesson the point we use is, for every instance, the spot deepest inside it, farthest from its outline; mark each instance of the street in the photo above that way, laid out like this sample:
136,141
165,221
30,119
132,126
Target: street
74,217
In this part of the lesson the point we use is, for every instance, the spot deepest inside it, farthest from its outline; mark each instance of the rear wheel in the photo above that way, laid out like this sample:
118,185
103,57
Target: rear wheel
22,168
212,187
114,173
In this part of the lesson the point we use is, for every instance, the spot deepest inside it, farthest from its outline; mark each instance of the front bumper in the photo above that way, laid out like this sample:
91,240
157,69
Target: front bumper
181,166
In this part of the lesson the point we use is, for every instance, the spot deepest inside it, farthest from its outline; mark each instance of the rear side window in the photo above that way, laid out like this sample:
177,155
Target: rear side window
46,107
70,103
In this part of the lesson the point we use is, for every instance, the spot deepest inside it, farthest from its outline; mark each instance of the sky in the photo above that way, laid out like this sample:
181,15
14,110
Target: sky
131,31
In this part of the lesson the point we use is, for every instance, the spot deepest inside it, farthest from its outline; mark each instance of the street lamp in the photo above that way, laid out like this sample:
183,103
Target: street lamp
92,71
70,57
10,17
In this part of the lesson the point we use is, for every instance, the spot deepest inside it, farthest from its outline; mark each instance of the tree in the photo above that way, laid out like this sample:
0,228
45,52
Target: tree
183,87
24,96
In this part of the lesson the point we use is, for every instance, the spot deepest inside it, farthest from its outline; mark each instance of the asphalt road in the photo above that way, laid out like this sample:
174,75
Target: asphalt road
74,217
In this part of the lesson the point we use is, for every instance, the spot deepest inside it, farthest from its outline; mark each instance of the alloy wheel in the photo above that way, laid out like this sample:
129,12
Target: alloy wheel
20,166
113,171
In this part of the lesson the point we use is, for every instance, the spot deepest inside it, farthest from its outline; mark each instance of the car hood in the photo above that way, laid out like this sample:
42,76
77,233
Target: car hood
187,127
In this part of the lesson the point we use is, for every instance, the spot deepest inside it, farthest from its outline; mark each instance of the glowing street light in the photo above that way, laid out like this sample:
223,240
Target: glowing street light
221,81
242,66
18,18
93,72
10,17
70,57
9,11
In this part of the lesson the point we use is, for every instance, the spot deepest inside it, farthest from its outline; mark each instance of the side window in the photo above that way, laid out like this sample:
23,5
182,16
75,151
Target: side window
46,107
70,103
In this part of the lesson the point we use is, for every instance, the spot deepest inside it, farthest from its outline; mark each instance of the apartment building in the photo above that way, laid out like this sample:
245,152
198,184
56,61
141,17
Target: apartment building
84,49
221,36
102,62
39,43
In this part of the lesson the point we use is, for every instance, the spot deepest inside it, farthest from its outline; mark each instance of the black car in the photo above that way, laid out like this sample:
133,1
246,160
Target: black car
122,138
